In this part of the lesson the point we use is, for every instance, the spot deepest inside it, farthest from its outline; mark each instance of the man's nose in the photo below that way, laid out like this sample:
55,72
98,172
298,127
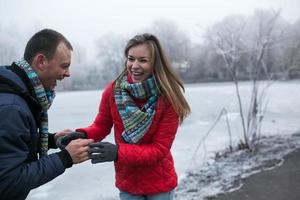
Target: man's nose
67,73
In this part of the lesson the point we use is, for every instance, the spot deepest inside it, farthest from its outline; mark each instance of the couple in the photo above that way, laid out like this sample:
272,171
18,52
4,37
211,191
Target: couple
144,104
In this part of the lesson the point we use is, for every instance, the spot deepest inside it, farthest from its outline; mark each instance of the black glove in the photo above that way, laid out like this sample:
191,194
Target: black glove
63,141
103,152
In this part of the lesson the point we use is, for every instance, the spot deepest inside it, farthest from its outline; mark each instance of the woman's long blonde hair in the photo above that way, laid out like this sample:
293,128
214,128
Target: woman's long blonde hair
168,82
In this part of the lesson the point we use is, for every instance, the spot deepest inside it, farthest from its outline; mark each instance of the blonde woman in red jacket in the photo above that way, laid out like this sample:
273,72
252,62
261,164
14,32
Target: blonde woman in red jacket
145,105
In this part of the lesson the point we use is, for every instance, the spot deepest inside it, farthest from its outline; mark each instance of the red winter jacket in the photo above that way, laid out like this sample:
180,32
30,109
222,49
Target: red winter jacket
147,167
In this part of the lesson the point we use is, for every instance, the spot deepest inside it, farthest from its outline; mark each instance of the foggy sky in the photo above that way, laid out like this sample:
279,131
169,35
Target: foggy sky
82,21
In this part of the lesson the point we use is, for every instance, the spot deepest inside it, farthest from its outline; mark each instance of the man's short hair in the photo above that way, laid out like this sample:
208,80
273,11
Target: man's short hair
45,42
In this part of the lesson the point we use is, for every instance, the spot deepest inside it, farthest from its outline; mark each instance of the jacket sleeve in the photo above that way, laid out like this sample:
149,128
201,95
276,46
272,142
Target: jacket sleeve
103,123
17,175
149,154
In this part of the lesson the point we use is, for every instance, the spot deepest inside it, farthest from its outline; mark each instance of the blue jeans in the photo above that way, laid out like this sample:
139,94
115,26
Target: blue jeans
159,196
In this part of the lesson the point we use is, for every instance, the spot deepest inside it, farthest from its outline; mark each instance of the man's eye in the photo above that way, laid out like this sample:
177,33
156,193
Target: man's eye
65,66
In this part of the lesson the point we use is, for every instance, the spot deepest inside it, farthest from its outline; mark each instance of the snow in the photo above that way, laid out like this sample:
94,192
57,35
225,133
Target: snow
199,173
228,170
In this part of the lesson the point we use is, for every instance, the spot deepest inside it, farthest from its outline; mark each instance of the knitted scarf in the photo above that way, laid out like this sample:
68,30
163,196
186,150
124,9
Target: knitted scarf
136,121
45,98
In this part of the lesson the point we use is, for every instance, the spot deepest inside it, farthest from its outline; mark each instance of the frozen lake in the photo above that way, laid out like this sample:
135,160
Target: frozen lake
91,182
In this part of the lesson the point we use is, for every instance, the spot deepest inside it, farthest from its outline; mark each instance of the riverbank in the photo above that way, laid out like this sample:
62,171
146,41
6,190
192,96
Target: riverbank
230,173
280,183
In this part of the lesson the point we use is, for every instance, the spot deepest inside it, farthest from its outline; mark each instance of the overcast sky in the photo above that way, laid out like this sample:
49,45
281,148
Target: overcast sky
83,20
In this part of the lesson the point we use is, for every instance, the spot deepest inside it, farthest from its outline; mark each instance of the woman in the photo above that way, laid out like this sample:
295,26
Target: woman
145,105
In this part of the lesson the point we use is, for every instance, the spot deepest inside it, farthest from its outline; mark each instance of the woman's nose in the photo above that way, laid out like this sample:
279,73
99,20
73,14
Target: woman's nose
135,64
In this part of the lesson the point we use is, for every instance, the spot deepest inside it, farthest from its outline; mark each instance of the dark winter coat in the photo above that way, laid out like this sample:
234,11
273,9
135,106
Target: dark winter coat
20,168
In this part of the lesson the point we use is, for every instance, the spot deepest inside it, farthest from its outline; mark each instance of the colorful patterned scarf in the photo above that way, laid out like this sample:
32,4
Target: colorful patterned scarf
136,121
45,98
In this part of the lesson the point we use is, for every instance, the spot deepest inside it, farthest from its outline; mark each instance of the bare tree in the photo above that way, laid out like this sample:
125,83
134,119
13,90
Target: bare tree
227,39
266,35
9,49
237,39
291,53
176,42
110,57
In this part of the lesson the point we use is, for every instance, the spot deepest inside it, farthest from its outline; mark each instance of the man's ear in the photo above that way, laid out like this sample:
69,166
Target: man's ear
39,62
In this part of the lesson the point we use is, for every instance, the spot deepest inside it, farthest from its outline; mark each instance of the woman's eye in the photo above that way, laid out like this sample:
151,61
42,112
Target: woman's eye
130,59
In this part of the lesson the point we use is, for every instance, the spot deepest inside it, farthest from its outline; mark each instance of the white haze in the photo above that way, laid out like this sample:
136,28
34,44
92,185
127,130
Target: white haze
83,21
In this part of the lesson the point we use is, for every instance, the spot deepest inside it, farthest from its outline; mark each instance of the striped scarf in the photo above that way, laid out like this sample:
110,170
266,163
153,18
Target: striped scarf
136,121
45,98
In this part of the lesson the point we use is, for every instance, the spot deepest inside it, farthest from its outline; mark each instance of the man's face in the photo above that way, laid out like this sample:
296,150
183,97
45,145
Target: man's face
56,68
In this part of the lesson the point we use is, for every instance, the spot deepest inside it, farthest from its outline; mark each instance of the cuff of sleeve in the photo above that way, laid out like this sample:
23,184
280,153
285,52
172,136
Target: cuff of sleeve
65,158
51,141
82,131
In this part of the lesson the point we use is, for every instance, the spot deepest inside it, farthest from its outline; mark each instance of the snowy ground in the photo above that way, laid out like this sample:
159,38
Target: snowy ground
228,170
193,158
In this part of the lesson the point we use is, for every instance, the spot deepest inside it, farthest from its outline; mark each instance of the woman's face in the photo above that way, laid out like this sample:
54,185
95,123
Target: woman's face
138,63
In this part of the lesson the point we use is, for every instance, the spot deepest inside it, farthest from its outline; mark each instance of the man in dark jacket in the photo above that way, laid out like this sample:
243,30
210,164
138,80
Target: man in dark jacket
26,93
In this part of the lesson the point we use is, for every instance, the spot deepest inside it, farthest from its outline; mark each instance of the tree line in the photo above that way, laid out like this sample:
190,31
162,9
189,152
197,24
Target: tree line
235,41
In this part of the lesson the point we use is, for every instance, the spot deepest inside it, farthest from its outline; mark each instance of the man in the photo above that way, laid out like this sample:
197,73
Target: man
26,93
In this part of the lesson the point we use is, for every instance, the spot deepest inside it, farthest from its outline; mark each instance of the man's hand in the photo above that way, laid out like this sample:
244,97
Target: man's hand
103,152
63,141
62,133
78,150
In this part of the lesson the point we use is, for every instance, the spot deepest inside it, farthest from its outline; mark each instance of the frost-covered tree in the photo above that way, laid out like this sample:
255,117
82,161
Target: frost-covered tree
110,57
176,42
9,47
243,42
